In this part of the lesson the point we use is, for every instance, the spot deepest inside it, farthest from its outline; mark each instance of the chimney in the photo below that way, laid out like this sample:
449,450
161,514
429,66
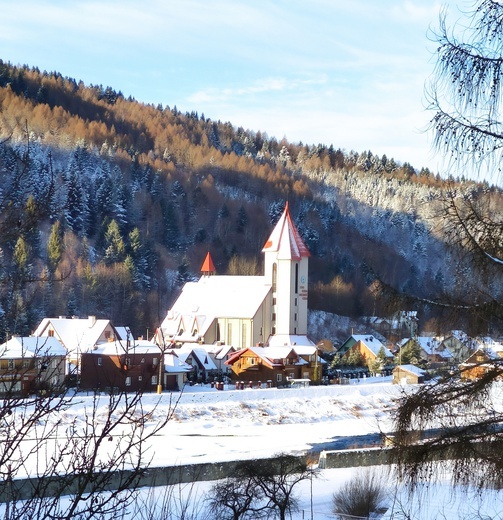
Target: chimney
92,321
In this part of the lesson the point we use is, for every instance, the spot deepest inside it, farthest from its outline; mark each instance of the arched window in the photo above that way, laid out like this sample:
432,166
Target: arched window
296,278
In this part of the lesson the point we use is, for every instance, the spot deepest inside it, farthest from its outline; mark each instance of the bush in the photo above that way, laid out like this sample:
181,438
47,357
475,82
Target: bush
364,494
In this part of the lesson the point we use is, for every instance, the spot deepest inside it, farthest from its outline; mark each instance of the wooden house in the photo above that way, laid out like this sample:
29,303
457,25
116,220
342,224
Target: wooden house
368,346
132,366
275,365
408,375
483,360
31,364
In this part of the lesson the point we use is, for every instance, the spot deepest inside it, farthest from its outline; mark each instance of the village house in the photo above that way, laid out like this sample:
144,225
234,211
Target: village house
31,364
199,359
430,350
487,357
132,366
459,344
368,347
77,335
276,366
408,375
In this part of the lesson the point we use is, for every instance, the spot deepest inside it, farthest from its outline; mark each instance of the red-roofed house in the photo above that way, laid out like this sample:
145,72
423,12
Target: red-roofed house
278,365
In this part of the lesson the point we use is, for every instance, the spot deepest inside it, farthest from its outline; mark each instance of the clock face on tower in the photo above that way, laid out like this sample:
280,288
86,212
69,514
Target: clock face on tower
302,279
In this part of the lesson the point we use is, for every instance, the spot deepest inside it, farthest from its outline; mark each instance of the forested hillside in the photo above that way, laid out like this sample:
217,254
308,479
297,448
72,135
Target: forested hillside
107,206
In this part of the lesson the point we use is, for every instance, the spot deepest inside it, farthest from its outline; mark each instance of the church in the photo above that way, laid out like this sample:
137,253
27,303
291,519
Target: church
250,312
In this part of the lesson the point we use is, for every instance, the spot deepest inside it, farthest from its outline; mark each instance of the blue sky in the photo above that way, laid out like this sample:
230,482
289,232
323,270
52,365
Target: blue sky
347,73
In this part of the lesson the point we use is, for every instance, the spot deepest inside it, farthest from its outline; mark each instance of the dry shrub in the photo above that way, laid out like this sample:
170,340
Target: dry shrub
362,495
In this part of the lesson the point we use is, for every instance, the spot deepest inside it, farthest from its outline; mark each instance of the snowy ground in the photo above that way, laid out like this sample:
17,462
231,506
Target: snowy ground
210,425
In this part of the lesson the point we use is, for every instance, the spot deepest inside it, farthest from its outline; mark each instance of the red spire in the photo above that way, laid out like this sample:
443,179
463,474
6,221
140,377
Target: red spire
208,266
285,238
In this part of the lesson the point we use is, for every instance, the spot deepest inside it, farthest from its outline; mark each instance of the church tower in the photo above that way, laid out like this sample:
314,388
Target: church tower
286,266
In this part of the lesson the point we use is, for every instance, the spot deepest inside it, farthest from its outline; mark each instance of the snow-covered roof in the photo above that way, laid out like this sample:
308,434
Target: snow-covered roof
411,368
285,239
195,350
174,365
431,346
77,335
211,296
118,348
372,343
292,340
18,347
123,333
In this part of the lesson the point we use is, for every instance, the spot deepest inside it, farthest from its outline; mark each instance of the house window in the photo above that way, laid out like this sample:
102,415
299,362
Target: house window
26,363
128,381
100,361
55,363
107,334
128,362
252,360
140,378
155,361
10,364
54,381
154,380
51,333
279,378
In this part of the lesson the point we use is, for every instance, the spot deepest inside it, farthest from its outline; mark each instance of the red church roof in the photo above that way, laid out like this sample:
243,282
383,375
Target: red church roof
285,239
208,265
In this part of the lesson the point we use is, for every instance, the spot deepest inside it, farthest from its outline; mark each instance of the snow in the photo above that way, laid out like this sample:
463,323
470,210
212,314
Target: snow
211,425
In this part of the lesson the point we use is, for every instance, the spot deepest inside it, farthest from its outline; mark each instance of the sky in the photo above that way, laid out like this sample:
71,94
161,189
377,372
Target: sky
346,73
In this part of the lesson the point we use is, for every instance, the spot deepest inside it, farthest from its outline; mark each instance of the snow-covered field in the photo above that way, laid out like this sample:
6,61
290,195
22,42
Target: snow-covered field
210,425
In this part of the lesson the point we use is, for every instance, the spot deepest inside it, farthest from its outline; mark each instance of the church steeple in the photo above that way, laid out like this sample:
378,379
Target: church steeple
286,266
208,267
285,239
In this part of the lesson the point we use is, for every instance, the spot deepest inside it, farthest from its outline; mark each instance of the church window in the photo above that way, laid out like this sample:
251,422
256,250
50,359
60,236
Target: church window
296,278
229,334
274,277
244,339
